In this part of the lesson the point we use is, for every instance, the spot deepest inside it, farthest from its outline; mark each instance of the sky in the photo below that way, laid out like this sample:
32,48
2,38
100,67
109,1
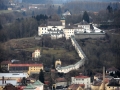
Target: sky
82,0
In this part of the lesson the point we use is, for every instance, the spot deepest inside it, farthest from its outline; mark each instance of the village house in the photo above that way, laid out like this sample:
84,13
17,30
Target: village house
67,13
60,82
4,64
36,55
81,80
76,87
11,78
35,86
28,68
112,70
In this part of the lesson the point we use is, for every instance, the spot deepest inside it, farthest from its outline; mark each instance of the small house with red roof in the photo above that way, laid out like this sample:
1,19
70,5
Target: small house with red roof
60,82
81,79
75,87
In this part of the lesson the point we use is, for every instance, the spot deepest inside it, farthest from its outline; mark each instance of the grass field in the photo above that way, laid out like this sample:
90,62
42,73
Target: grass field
5,11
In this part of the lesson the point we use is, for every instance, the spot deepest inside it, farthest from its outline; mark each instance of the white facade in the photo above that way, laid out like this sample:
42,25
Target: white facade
54,29
81,80
58,29
36,54
68,33
13,75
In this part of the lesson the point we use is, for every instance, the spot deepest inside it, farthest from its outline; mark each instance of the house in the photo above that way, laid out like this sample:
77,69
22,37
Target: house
67,13
53,28
4,64
60,82
36,55
75,87
9,87
58,63
28,68
35,86
112,70
98,76
10,78
81,80
39,85
113,85
29,87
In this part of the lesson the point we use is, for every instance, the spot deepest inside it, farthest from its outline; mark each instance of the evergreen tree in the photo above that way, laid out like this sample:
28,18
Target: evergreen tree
86,17
109,8
59,10
41,76
53,62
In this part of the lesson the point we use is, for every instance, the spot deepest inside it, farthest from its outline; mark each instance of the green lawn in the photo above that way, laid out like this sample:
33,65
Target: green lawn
5,11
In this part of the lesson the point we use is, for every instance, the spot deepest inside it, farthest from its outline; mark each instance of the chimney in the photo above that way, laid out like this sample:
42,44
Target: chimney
103,78
2,79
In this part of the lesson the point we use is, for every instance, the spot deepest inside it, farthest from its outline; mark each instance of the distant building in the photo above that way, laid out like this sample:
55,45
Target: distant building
75,87
53,28
35,86
112,70
36,55
60,82
58,63
28,68
4,64
81,80
59,29
11,78
67,13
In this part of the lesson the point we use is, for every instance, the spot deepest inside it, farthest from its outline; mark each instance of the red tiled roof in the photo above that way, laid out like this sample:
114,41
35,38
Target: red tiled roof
73,86
60,80
82,85
81,76
20,65
5,62
112,69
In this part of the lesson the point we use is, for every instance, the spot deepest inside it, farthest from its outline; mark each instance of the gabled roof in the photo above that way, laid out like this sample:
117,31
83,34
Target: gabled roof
30,86
38,83
112,69
81,76
83,22
60,80
5,62
113,83
54,23
74,86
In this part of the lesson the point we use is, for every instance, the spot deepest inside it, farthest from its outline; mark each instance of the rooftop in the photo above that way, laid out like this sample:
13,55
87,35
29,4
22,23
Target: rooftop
27,65
81,76
112,69
54,23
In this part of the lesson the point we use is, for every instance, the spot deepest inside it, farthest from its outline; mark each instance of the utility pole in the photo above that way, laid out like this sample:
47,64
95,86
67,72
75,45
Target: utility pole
103,78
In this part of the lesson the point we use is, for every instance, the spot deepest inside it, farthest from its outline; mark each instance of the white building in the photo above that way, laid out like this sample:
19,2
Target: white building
13,75
81,80
67,13
58,29
53,28
36,54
